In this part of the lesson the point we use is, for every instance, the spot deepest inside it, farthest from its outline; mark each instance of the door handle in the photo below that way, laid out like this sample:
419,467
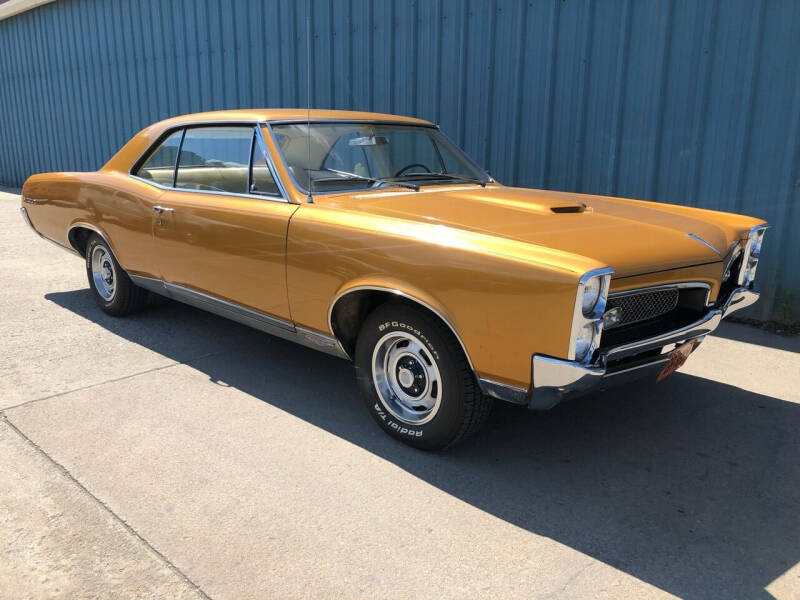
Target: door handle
162,209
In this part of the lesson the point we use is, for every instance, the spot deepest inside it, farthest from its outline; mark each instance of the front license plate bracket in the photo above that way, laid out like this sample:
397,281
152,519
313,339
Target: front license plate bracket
677,358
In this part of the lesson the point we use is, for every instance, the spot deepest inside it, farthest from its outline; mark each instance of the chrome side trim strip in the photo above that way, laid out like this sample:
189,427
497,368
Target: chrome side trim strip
149,283
321,342
227,309
505,392
402,295
240,314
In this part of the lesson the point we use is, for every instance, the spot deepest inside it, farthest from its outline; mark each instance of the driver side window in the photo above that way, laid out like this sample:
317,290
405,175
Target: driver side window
215,159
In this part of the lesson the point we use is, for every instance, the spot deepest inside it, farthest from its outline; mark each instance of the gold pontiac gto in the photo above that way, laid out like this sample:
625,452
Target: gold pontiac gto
374,238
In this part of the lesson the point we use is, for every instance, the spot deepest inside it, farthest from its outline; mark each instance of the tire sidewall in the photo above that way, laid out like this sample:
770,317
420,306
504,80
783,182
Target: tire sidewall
445,425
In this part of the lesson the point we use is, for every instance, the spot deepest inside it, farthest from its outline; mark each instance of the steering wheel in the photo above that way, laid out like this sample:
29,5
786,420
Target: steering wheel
411,166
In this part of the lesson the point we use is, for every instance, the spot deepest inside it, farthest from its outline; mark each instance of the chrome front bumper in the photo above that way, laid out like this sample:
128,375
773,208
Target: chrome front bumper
554,379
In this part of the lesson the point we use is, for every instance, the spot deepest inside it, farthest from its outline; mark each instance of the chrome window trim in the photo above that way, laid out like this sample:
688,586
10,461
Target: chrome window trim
489,177
579,320
177,159
256,125
213,193
401,294
305,192
335,120
262,144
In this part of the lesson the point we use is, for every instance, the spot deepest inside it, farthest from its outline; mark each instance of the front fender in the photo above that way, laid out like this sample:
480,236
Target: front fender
504,299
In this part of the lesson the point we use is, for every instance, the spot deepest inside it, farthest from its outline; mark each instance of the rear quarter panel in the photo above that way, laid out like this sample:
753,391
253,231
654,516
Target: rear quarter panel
118,206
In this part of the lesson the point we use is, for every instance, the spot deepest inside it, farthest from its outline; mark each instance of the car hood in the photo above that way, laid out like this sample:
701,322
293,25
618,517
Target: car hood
632,237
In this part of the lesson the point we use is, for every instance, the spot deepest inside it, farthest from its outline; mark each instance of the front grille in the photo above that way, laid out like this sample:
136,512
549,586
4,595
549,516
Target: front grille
643,306
650,312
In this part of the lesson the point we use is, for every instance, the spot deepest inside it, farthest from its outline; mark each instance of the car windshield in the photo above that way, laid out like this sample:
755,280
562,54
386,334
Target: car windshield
345,156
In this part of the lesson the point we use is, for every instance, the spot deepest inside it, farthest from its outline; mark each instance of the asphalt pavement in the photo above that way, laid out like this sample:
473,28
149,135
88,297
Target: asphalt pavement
176,454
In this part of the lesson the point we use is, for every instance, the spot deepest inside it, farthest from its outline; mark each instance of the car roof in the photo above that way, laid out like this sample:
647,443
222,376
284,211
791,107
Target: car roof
132,151
286,114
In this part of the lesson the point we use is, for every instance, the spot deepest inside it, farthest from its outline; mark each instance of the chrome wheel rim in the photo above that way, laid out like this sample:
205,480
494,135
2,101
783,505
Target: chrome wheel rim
406,378
104,275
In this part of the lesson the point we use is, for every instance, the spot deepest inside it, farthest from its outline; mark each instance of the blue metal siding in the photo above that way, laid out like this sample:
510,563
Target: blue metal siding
680,101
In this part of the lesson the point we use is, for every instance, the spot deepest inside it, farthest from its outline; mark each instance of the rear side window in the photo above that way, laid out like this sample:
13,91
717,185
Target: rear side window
160,166
215,159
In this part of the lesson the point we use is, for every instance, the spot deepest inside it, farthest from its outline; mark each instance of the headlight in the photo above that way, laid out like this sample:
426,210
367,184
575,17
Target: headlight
587,320
591,293
583,343
752,251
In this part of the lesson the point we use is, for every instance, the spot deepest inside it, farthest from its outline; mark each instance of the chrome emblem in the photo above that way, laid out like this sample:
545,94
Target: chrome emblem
694,236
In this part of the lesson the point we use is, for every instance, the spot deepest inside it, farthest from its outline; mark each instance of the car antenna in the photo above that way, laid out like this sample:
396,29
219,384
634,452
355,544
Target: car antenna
310,198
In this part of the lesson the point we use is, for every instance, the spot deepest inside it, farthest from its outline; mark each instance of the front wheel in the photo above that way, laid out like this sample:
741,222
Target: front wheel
415,379
111,287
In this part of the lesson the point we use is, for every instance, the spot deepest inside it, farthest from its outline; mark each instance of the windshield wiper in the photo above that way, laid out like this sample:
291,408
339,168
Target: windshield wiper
480,182
346,175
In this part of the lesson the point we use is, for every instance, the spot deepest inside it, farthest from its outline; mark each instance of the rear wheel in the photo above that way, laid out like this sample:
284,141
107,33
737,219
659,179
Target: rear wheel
111,287
415,379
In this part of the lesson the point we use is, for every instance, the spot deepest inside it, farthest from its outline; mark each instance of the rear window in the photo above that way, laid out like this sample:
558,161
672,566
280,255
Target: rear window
160,166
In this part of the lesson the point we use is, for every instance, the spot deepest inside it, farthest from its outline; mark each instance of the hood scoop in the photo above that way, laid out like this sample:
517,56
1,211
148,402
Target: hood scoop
569,208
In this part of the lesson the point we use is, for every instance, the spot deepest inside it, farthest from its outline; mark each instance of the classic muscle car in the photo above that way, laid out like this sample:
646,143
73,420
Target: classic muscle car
372,237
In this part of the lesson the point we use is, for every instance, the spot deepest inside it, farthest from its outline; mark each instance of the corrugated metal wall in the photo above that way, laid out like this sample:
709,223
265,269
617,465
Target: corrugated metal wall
679,101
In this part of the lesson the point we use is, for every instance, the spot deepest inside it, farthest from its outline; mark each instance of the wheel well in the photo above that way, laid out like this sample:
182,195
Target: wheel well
350,311
78,238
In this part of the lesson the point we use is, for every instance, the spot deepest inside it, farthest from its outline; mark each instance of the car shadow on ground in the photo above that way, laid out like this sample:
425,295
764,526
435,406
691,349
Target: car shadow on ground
740,332
690,485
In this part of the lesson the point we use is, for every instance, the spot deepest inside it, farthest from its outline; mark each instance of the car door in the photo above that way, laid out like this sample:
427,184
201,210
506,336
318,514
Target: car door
221,229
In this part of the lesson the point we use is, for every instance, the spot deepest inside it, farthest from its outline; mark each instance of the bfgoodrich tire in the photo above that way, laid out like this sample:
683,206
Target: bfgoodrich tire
415,379
111,287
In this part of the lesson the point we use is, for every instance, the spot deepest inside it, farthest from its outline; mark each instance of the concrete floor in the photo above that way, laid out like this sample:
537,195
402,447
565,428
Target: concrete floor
175,453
